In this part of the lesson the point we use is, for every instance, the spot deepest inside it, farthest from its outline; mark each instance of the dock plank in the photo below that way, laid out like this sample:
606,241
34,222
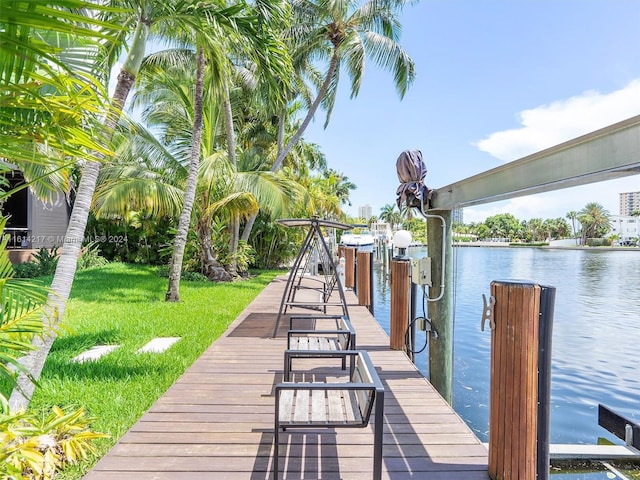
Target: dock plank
216,421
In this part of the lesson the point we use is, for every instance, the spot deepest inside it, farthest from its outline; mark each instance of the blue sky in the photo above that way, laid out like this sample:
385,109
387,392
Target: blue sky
496,80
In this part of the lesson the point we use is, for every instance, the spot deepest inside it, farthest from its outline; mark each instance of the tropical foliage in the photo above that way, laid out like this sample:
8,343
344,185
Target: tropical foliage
50,102
592,222
38,448
594,219
31,446
246,81
343,34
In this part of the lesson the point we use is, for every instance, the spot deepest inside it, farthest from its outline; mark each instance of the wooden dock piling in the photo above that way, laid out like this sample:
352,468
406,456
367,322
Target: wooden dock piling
349,267
518,417
363,278
400,294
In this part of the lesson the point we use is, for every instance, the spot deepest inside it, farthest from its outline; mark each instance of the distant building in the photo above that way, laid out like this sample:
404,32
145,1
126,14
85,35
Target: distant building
629,202
626,227
364,212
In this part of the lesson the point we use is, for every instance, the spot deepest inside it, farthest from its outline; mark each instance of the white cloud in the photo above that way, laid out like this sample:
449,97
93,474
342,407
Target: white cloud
549,125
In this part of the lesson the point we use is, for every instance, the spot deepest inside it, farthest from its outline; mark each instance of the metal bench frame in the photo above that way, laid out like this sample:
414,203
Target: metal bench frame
364,388
336,340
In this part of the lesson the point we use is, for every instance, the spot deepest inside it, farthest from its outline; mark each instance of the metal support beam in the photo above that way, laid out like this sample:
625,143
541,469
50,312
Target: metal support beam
441,311
605,154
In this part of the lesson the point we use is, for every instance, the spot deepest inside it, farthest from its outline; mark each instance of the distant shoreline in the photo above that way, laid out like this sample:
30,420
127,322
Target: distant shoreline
553,247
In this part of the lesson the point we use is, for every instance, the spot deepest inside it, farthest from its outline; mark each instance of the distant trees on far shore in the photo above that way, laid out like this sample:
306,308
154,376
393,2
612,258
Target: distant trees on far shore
507,227
590,222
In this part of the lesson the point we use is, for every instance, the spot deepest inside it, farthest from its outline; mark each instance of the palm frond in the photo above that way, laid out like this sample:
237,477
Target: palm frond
273,192
240,204
22,309
329,99
391,56
22,52
353,54
125,188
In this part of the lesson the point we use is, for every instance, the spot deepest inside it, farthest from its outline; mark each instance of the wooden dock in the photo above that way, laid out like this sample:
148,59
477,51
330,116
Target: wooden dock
216,421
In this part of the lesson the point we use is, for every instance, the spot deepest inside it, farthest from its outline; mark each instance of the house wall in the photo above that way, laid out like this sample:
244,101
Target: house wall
21,255
627,227
48,223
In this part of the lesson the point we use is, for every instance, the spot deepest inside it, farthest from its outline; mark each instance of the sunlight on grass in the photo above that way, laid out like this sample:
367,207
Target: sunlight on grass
124,305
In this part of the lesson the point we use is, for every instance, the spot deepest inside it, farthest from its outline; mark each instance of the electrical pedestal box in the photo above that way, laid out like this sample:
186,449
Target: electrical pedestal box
421,271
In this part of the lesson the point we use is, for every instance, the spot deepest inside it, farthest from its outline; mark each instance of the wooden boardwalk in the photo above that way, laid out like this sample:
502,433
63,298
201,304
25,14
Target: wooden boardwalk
216,421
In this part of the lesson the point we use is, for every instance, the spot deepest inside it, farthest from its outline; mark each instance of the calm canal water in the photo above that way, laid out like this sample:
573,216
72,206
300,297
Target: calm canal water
596,332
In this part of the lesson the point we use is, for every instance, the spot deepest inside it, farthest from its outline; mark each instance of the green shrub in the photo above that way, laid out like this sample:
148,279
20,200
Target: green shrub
47,260
598,242
90,257
26,270
275,245
44,263
143,242
163,271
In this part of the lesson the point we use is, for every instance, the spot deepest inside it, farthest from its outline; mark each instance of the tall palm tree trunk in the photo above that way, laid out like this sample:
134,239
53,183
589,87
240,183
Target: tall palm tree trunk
67,263
234,227
175,269
333,65
283,152
228,125
248,226
234,223
282,118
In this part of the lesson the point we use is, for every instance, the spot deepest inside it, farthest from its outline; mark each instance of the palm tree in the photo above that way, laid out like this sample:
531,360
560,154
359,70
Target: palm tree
346,33
137,19
386,213
573,216
180,242
559,227
325,200
266,49
594,219
49,102
536,229
150,171
301,165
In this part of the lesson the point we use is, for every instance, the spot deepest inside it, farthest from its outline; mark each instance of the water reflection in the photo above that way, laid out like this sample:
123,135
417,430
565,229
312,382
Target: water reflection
595,333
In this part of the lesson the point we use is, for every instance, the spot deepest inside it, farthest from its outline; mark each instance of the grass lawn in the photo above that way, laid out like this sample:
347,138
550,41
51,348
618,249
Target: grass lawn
124,305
